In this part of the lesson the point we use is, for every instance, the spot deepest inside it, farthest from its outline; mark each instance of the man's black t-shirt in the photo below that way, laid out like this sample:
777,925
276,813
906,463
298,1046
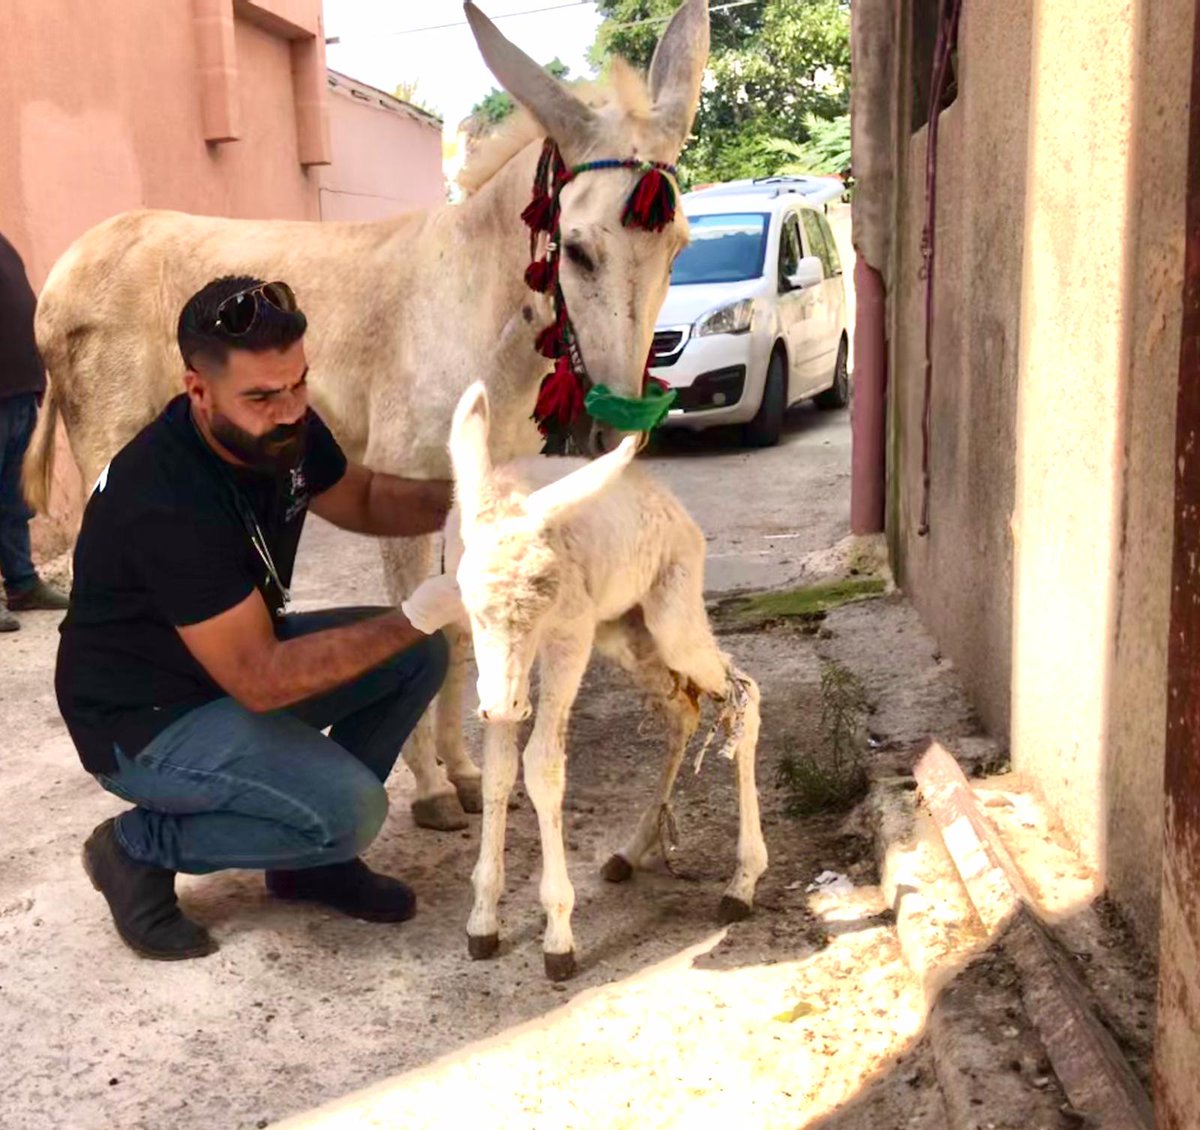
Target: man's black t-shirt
166,542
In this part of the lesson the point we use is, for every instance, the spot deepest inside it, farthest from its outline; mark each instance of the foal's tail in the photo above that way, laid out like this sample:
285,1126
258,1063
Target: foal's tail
37,471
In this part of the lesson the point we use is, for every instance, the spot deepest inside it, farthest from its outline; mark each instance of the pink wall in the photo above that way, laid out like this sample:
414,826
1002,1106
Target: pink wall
103,113
107,106
387,156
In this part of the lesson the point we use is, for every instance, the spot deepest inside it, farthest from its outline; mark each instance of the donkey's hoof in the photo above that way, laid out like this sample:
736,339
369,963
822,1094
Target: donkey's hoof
443,813
732,910
470,793
483,946
560,966
618,869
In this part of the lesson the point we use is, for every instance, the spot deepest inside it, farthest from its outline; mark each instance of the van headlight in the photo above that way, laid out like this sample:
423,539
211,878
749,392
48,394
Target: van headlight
735,318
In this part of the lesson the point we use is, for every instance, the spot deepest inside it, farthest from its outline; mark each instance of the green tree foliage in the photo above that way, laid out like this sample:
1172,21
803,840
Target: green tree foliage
492,109
827,149
409,92
775,66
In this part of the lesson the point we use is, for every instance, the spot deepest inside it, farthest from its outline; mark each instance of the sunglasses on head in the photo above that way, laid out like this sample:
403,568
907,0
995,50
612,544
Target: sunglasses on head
238,313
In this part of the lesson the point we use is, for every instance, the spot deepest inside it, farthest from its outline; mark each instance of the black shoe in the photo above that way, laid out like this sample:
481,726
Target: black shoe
353,888
8,622
142,901
38,597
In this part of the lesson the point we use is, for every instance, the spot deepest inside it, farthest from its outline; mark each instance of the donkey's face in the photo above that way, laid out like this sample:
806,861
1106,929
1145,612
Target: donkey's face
514,569
614,278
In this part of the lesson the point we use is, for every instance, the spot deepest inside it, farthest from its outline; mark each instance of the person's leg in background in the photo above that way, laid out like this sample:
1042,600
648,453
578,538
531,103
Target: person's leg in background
23,588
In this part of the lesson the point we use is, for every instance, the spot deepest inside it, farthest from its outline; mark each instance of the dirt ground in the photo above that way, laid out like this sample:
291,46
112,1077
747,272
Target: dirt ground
776,1021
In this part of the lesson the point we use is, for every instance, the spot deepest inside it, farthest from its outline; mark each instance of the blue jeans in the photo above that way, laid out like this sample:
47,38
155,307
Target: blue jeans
225,787
18,415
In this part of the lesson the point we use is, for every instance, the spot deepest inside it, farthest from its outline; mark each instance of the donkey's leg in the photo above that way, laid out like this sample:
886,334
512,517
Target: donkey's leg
631,645
451,751
561,664
499,774
405,564
675,616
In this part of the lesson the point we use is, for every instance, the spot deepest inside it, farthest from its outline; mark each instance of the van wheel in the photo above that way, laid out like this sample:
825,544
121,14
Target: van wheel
839,395
765,428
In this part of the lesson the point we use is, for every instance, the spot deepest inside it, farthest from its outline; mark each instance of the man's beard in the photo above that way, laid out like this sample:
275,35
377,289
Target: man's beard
275,453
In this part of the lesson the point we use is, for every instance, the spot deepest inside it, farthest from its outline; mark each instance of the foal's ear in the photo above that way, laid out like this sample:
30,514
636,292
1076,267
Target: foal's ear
560,499
469,450
565,118
677,68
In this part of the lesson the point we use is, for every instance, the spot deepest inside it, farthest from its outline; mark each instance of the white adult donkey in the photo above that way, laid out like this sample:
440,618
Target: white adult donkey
549,567
400,310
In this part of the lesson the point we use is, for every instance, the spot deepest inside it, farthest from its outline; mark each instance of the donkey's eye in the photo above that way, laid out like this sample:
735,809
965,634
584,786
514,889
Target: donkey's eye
579,257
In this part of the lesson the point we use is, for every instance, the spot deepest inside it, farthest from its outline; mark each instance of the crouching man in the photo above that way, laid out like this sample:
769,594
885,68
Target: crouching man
188,688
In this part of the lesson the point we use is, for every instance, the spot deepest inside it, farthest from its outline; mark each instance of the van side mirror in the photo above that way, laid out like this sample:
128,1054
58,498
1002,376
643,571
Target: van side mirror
809,272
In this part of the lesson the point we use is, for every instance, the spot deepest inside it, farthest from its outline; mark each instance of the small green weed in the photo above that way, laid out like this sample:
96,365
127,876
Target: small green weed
834,778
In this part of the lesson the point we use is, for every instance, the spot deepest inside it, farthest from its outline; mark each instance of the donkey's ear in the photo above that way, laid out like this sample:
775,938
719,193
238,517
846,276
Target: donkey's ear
565,118
560,499
678,68
469,450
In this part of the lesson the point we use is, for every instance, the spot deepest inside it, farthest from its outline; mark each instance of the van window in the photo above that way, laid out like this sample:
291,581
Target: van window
815,238
834,266
789,248
724,248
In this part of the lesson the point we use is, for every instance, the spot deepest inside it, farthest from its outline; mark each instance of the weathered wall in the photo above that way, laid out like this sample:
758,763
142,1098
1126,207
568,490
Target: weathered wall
1137,699
960,575
1058,274
387,157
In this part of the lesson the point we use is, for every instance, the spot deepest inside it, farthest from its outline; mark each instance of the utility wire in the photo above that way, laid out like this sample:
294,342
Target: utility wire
551,8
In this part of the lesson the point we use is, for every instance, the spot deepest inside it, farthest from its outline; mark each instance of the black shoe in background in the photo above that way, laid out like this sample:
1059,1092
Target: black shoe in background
39,597
351,887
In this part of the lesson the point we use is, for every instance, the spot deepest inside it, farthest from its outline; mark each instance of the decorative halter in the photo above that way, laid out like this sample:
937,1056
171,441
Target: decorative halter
651,206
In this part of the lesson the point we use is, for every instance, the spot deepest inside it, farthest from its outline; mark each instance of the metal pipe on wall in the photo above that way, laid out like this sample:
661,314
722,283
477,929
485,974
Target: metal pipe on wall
868,407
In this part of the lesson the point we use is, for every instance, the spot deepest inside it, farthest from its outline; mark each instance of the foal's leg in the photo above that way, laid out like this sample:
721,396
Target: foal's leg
675,616
631,645
405,564
499,774
561,663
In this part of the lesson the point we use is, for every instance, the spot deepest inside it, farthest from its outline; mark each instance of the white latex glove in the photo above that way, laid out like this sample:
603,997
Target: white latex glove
434,604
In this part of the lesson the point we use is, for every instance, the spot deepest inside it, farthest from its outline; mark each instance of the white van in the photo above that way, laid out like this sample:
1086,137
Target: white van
755,319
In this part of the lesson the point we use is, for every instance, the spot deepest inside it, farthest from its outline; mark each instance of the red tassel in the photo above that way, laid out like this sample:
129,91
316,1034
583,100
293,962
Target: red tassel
539,213
651,205
560,398
552,341
540,275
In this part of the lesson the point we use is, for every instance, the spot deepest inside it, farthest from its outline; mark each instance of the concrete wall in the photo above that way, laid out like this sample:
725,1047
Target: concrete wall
1137,701
387,156
960,575
1046,574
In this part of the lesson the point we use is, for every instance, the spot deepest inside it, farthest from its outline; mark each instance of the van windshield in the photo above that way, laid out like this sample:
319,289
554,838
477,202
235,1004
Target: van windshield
724,248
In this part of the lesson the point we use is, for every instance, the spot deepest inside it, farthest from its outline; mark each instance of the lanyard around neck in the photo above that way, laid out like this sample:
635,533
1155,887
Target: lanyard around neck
248,518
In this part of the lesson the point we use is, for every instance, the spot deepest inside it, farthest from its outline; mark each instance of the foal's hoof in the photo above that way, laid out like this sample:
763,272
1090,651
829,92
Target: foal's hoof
732,910
483,946
443,813
470,794
618,869
560,966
